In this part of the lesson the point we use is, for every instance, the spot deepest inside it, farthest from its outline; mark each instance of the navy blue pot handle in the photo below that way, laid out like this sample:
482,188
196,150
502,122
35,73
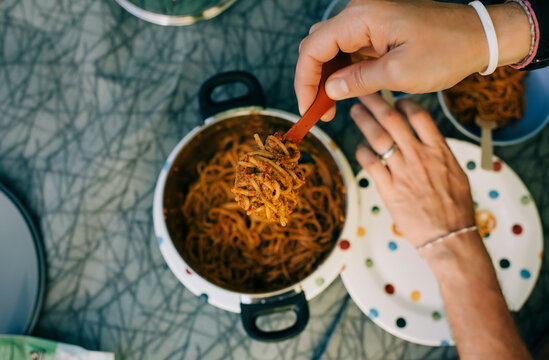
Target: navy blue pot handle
295,302
254,95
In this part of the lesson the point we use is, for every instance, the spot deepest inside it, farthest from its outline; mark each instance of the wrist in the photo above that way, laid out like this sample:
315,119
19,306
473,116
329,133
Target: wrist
448,258
476,44
512,31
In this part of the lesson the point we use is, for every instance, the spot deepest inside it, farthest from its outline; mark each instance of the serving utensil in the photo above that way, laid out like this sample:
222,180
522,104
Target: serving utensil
322,102
388,96
487,148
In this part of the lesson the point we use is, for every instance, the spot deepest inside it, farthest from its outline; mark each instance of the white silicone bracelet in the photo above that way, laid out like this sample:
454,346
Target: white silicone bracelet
490,36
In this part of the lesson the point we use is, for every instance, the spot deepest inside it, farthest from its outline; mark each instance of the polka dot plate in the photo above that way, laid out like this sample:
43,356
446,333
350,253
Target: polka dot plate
392,284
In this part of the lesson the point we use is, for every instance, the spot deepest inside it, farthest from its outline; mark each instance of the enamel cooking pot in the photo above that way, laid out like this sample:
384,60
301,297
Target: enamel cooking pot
242,115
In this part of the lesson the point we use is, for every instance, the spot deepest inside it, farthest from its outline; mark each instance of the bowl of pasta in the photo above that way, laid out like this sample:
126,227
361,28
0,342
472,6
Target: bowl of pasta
515,100
240,262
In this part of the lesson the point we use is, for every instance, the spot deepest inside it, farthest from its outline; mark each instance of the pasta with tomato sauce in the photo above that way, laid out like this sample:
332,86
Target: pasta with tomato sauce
250,253
268,179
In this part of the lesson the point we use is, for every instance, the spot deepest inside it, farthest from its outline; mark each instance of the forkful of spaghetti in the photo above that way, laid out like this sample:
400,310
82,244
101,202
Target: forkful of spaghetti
268,179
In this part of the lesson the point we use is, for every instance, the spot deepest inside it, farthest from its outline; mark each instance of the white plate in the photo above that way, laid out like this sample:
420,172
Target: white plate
384,261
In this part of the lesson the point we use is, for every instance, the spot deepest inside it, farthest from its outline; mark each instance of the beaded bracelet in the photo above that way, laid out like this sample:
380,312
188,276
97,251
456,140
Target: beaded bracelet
534,32
442,238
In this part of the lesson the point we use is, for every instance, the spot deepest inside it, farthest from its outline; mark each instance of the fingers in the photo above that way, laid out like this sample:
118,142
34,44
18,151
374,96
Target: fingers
390,119
364,77
373,166
421,121
322,45
377,136
315,26
306,84
329,115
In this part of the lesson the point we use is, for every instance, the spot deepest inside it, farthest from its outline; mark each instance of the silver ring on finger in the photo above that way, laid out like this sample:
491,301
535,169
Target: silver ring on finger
387,154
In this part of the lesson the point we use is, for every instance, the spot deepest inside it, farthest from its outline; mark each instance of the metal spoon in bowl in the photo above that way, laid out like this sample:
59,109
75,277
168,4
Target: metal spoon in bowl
486,146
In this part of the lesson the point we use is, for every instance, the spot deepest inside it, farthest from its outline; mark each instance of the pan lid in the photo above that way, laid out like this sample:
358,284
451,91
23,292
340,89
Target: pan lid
22,267
395,287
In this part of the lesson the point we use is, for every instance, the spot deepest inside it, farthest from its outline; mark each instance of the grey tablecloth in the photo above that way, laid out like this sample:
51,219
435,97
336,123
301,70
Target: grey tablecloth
92,100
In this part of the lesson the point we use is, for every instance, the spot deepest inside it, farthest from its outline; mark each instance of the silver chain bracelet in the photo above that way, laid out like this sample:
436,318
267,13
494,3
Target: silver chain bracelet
444,237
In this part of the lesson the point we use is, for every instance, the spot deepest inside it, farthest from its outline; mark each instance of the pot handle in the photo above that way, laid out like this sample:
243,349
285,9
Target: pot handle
296,302
254,96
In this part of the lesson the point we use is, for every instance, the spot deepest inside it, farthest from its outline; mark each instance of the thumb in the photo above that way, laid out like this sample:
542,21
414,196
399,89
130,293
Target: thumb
362,78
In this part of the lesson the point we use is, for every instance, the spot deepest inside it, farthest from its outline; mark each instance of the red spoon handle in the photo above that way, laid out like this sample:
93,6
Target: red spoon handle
322,102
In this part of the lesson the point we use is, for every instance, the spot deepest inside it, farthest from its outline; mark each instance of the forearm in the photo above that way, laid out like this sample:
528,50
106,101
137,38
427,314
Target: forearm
481,323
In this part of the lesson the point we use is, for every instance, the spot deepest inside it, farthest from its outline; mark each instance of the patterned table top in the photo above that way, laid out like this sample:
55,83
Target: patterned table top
92,100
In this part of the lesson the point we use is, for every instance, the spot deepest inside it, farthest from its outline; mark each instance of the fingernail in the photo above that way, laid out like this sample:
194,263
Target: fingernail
336,88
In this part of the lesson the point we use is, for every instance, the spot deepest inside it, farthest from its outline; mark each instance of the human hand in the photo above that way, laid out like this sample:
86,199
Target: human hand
424,188
418,47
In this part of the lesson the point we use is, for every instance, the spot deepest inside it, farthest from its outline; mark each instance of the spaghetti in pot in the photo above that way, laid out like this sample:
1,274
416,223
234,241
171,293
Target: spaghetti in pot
248,253
268,179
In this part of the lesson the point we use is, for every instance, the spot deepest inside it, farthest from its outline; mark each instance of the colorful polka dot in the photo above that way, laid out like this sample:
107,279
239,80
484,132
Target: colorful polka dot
363,183
525,274
204,296
493,194
396,232
343,267
436,316
389,289
188,271
444,343
475,204
319,281
375,210
159,240
504,263
415,295
487,235
517,229
525,200
344,244
392,245
471,165
369,262
333,145
361,231
400,322
373,313
497,166
540,255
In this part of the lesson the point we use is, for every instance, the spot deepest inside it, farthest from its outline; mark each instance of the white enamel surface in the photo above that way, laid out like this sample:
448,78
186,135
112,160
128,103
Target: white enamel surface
407,272
313,285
